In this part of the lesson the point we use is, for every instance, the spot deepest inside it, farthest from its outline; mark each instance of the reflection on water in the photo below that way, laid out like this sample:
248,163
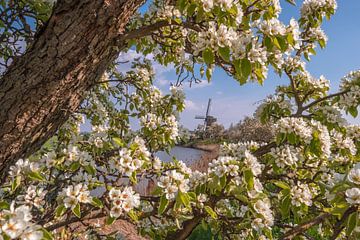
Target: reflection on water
145,186
187,155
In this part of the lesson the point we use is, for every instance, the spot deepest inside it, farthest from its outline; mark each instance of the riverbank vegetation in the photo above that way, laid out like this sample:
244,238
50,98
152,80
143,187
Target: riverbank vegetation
301,181
248,129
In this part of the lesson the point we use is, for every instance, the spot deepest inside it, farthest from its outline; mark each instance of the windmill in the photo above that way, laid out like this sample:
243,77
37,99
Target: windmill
208,119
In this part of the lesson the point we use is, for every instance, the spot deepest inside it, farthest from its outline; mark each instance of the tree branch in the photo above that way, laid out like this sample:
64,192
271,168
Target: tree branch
149,29
339,225
188,227
324,98
303,227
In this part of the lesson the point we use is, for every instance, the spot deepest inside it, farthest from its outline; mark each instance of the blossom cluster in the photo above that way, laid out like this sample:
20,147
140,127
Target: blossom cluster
311,8
123,201
16,223
250,186
263,207
351,85
73,195
22,167
343,142
286,155
131,159
172,182
298,126
353,194
301,194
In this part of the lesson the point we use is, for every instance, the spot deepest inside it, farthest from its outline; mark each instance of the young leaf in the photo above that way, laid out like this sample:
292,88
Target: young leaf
351,223
211,212
74,166
76,210
245,68
225,53
133,216
4,205
208,74
184,199
90,169
16,183
249,178
285,206
281,184
110,220
47,235
60,210
163,204
118,141
97,202
208,56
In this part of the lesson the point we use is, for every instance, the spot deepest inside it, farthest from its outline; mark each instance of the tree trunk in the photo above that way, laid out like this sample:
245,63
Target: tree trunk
45,85
187,229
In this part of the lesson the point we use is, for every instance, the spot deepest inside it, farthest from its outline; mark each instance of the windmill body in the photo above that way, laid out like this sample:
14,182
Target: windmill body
208,119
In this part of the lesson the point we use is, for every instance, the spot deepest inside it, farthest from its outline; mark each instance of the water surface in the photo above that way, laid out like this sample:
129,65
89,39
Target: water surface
187,155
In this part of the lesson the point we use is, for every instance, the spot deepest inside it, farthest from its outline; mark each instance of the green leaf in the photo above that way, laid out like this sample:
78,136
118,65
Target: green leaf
208,74
181,4
74,166
223,181
211,212
322,43
191,9
281,184
97,202
245,68
225,53
110,220
208,56
201,232
352,222
90,169
6,237
184,199
339,209
133,215
280,138
16,183
4,205
285,206
46,234
157,191
276,42
76,210
291,2
249,179
353,111
290,39
60,210
192,196
118,141
163,204
291,137
282,42
133,178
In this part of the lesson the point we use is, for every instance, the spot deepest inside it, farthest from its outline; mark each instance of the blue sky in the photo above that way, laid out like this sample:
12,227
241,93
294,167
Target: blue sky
231,102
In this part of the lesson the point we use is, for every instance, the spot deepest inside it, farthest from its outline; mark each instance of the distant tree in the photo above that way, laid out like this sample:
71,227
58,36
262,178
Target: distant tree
249,129
303,183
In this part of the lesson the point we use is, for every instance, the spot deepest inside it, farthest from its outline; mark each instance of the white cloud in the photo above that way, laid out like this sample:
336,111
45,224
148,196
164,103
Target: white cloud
162,82
126,59
202,84
190,105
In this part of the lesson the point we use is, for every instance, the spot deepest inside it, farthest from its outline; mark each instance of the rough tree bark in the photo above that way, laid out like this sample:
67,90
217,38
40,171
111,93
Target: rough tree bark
48,82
